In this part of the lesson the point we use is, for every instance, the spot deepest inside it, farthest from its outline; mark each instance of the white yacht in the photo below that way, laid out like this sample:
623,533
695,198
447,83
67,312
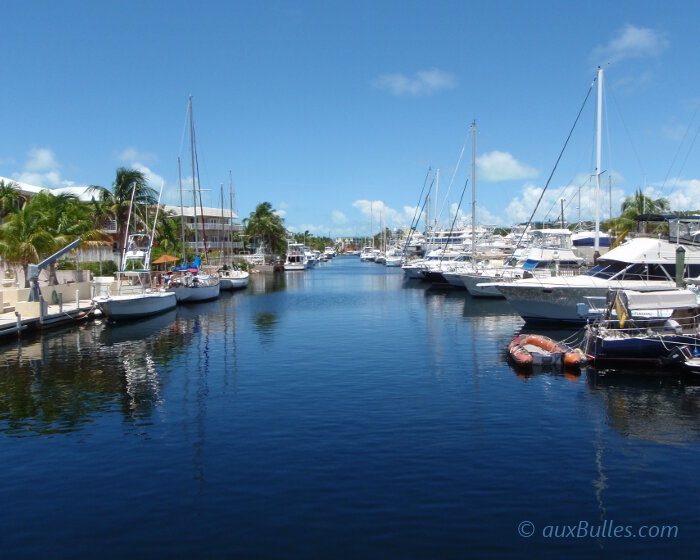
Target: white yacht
643,263
508,270
296,257
551,254
368,254
429,268
329,252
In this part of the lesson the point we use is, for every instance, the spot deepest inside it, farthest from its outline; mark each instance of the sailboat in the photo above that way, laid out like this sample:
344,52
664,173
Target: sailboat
135,297
231,277
189,283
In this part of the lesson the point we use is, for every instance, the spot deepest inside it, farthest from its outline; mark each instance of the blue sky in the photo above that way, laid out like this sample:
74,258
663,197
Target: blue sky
328,108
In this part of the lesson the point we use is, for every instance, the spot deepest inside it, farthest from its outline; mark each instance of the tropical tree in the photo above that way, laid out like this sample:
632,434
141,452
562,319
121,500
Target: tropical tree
267,225
65,218
634,206
23,238
11,198
169,234
127,182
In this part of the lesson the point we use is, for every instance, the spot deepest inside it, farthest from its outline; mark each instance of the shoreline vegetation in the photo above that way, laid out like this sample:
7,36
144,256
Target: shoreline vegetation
34,227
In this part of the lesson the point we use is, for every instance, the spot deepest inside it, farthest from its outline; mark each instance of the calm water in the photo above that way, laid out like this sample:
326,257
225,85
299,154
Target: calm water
337,413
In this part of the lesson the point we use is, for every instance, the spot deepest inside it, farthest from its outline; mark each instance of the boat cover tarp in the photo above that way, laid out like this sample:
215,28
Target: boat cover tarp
670,299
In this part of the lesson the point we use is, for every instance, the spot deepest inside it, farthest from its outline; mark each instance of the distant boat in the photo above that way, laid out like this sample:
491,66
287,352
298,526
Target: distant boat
296,258
231,277
368,254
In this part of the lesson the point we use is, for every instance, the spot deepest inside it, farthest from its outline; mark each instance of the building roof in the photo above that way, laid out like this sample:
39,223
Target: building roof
85,194
188,211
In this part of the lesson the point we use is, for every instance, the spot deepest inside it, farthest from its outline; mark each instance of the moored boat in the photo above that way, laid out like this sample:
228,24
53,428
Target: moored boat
135,297
645,328
527,350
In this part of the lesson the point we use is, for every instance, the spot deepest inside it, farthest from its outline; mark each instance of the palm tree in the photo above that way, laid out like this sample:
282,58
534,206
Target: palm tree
634,206
168,234
639,203
23,239
119,198
65,218
11,198
264,223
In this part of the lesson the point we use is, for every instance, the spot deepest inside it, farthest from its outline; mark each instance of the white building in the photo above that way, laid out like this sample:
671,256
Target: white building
219,227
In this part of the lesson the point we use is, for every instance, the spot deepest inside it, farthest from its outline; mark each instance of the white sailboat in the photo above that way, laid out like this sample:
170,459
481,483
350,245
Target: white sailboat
135,297
189,283
231,277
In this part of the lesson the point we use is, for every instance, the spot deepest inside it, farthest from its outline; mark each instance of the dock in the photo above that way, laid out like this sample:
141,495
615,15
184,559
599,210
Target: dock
61,304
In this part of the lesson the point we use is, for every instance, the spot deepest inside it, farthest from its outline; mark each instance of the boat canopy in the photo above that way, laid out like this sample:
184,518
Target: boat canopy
194,267
667,299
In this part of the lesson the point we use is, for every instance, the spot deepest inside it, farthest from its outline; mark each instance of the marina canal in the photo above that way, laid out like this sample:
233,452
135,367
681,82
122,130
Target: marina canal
334,413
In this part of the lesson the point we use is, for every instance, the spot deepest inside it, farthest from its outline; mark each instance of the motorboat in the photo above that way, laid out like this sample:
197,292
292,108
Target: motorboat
296,258
368,254
550,254
136,294
644,263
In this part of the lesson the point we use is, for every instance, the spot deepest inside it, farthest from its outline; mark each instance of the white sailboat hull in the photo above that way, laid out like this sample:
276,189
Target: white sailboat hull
234,281
193,294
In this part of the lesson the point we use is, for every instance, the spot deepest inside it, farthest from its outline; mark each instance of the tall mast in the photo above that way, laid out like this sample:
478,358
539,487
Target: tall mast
599,126
437,196
223,222
230,203
474,190
194,186
182,211
371,222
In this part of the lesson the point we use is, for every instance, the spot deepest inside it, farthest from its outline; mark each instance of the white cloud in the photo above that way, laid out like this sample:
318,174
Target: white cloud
374,210
501,166
339,218
280,213
631,42
425,82
520,208
684,195
41,169
154,180
674,132
132,154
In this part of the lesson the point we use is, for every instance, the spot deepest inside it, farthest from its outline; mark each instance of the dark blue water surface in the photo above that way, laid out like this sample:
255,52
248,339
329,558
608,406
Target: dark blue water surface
333,413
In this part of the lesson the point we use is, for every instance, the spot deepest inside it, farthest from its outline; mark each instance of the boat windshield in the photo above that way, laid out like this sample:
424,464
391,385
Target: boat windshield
640,271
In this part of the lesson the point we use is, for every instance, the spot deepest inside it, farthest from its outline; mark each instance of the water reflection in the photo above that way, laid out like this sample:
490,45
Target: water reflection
265,322
266,282
62,380
659,409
